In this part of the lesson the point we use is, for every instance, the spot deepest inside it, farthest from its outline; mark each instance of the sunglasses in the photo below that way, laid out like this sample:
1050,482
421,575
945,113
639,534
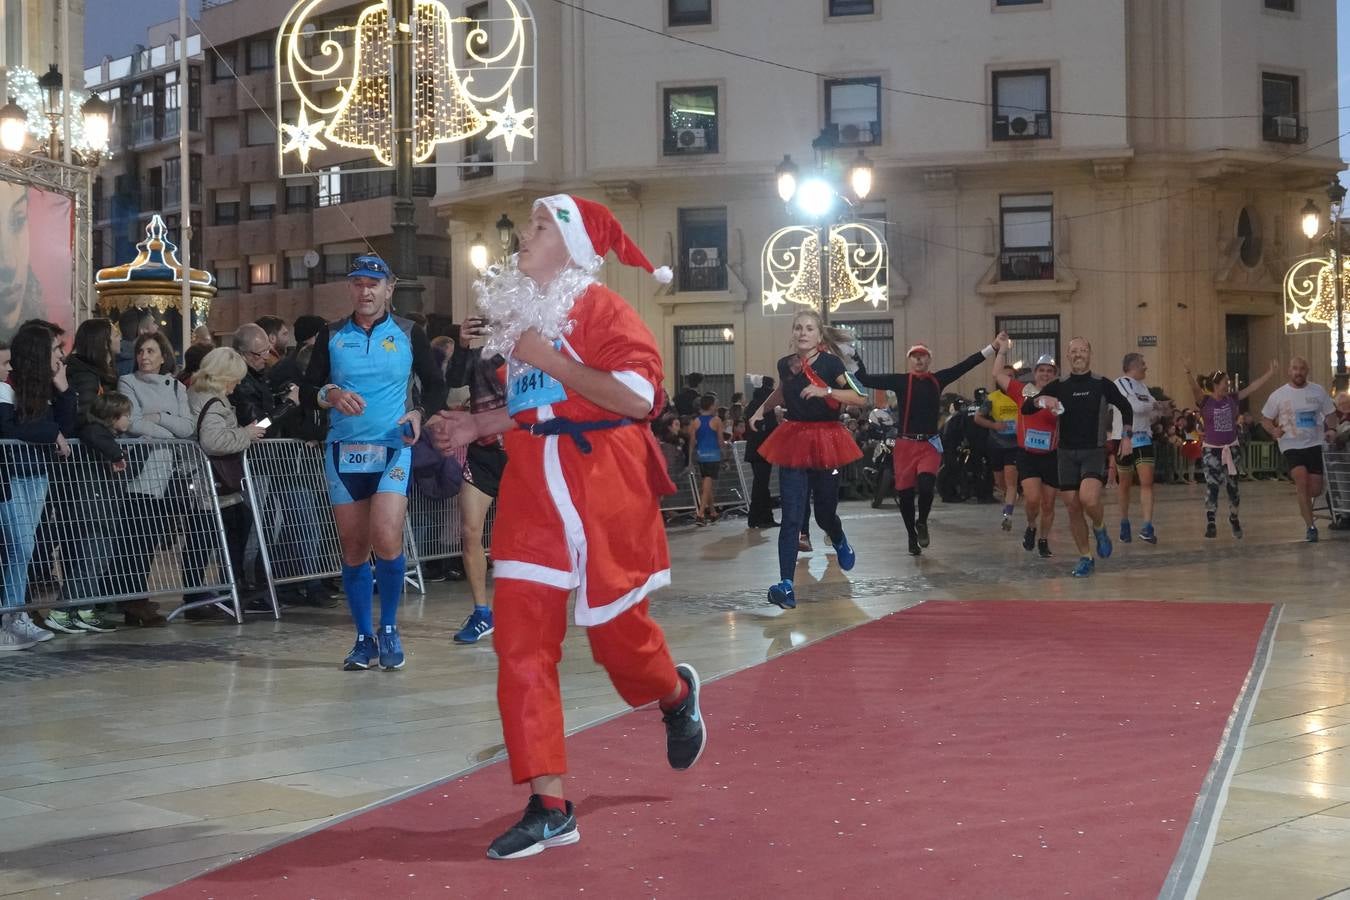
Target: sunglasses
366,264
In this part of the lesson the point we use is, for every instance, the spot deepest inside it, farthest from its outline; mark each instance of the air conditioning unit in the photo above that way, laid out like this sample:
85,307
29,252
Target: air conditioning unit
704,257
856,134
1286,128
691,139
1025,268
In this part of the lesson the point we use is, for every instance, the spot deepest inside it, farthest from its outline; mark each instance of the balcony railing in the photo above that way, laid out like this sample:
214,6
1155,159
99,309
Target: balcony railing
1024,264
152,199
708,277
1283,130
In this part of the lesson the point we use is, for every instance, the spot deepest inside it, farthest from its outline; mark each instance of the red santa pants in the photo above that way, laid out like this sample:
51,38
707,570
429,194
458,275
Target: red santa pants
531,622
912,459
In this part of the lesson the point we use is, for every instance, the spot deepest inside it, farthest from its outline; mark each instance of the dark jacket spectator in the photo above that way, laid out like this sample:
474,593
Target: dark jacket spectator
91,368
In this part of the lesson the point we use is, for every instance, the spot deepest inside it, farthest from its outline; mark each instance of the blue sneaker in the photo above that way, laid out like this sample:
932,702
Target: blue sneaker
477,625
846,555
1311,536
364,653
391,648
1147,534
1103,542
1125,531
782,596
1084,567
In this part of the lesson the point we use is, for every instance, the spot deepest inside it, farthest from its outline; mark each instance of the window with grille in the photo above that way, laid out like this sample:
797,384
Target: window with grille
1032,337
691,119
710,350
875,343
1026,233
703,249
853,106
688,12
1021,105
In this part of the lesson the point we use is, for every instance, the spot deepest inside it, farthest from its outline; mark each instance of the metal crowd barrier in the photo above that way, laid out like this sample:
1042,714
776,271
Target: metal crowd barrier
1336,464
75,532
1263,459
434,531
684,501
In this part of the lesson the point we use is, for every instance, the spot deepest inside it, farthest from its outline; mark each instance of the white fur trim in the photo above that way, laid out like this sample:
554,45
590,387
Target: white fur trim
523,571
573,230
663,274
588,617
637,384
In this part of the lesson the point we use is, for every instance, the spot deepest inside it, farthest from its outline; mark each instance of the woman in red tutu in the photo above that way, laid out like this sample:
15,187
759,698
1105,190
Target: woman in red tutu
810,445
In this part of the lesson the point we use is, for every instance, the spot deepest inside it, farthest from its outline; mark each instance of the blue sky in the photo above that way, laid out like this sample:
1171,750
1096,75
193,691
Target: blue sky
111,31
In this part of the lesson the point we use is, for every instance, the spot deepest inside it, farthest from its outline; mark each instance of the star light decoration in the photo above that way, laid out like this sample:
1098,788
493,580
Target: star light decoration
790,266
340,75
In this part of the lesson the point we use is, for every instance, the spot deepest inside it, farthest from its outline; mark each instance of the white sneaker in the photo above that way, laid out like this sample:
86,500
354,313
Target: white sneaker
11,641
23,626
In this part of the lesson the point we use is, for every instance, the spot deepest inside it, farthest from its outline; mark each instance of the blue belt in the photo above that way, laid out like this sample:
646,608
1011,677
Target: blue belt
573,429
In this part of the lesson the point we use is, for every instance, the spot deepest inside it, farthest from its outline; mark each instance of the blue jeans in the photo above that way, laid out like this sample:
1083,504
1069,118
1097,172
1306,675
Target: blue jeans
794,486
19,519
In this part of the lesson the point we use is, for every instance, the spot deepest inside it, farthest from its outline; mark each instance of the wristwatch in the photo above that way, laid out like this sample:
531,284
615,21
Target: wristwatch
829,391
323,394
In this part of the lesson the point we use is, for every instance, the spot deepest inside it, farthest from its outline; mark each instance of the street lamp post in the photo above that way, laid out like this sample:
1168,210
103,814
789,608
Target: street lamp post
1311,220
815,197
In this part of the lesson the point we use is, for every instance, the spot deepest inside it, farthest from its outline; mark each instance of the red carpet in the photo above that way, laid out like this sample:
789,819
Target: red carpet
999,749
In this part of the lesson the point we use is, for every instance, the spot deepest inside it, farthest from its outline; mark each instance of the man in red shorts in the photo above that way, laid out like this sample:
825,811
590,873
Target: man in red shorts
918,447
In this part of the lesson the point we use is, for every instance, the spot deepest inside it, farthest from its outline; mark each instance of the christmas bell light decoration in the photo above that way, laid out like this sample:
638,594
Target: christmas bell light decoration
791,268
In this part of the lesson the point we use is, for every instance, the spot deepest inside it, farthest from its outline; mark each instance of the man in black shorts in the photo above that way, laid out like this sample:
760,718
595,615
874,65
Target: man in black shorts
1078,399
484,462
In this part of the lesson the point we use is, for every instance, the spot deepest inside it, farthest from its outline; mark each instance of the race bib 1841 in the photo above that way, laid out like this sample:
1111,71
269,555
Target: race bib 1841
529,388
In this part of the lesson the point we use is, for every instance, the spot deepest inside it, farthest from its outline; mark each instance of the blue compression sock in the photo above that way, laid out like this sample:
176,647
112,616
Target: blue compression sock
389,576
358,585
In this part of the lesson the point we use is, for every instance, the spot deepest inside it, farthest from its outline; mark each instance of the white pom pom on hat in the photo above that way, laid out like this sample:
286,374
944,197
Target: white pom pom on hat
590,231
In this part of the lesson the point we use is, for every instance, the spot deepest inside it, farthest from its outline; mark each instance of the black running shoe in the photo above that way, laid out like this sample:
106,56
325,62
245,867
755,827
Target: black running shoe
537,830
686,735
1029,539
1210,530
1043,549
922,529
914,548
1236,525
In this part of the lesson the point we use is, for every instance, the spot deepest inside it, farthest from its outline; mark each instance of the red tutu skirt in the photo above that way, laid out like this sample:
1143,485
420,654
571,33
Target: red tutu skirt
810,445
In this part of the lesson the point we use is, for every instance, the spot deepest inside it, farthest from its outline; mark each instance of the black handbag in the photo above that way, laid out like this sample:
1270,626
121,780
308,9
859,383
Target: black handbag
229,469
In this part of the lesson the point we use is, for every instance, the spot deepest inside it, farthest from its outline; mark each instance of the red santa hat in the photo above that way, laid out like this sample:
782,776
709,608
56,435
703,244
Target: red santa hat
590,231
918,349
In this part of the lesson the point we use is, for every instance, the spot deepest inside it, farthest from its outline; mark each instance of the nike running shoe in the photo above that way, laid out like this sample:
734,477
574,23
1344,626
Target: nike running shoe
1236,525
1007,522
921,528
1311,535
914,548
477,625
364,653
391,648
538,830
1147,534
1043,549
92,620
1029,539
1084,567
1103,542
685,734
63,621
1125,531
846,555
782,595
1210,530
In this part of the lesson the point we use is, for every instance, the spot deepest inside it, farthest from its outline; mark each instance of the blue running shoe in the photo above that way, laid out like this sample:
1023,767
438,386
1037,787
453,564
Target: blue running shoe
364,653
1125,531
1103,542
1311,536
1084,567
391,648
782,596
1147,534
846,555
477,625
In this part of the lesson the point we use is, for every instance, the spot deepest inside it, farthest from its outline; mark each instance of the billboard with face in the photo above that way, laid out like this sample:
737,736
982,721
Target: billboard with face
36,249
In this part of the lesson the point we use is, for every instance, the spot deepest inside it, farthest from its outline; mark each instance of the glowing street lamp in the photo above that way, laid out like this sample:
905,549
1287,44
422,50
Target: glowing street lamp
478,253
1312,220
13,127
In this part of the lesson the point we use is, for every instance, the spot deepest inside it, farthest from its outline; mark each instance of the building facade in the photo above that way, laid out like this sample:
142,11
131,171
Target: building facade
143,174
32,32
1130,172
283,246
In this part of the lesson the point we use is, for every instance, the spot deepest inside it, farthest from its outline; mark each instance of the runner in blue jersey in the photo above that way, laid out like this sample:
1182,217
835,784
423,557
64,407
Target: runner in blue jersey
362,371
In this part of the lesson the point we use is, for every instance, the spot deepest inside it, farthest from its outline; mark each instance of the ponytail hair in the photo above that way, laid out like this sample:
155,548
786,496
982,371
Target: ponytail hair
1207,382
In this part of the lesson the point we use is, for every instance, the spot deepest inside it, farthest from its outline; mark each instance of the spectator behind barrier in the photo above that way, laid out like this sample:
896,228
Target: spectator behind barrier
91,367
202,337
279,338
38,408
159,402
220,434
254,399
132,324
289,370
